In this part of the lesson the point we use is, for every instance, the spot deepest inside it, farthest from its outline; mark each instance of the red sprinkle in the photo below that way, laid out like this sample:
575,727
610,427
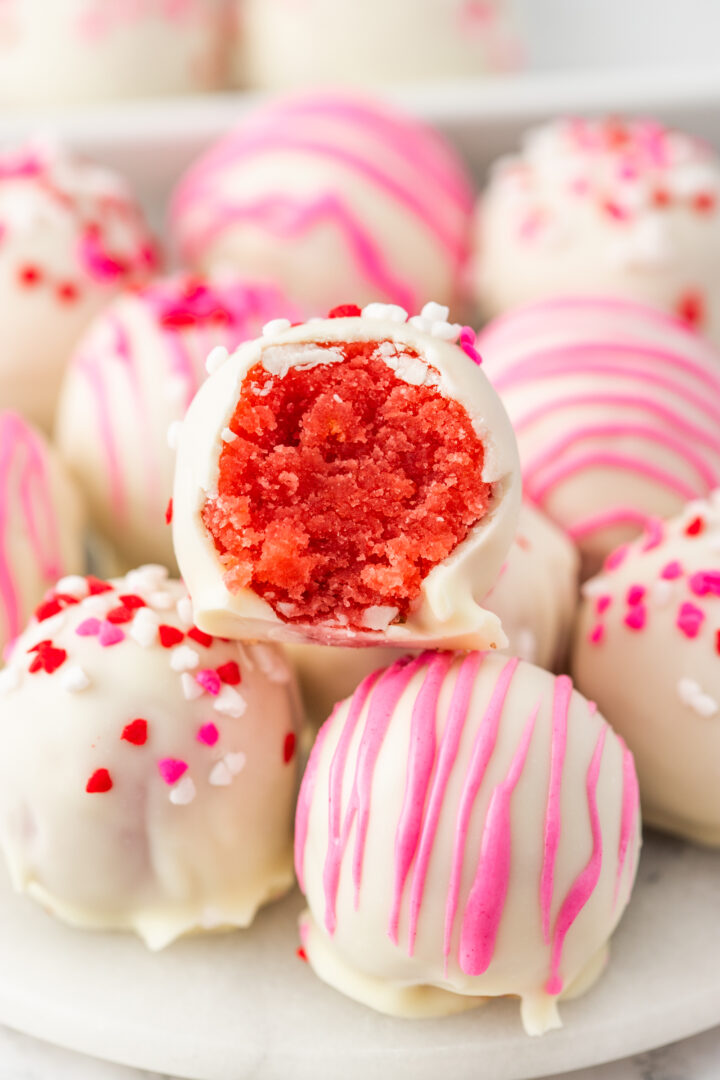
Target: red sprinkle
96,586
345,311
53,605
691,308
131,600
136,732
99,782
289,747
169,512
47,657
661,197
201,637
717,642
119,615
695,527
704,202
67,292
301,954
229,673
169,636
30,275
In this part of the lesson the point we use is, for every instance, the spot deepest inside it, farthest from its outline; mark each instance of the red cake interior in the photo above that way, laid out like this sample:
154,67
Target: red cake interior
344,487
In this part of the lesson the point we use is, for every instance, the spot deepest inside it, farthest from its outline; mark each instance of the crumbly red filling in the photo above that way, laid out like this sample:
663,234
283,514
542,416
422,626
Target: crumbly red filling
344,487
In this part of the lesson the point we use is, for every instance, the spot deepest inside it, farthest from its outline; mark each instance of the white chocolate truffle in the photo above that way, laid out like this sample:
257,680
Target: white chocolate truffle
535,599
71,237
647,648
285,44
149,777
83,51
42,523
352,480
628,209
335,198
468,827
130,382
616,408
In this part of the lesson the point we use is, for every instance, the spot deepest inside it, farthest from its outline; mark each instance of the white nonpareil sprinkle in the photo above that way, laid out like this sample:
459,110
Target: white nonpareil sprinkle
662,592
151,576
691,694
191,689
216,359
185,611
229,702
9,680
99,604
435,312
228,435
275,326
74,679
184,658
391,312
72,585
220,775
144,628
183,792
173,434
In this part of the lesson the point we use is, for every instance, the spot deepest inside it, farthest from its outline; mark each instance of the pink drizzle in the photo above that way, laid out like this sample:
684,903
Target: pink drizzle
562,697
629,812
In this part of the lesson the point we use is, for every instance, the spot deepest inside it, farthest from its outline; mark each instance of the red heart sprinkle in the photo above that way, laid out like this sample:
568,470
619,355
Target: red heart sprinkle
99,782
132,601
96,586
119,615
289,747
169,636
136,732
169,512
695,527
200,636
229,673
345,311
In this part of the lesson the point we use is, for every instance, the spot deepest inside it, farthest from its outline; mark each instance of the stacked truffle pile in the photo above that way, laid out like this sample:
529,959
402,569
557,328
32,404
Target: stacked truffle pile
336,464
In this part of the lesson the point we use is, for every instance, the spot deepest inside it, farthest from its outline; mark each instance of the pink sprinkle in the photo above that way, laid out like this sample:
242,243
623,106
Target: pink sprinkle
468,337
635,595
654,534
671,571
616,558
209,680
704,582
208,734
171,769
88,628
690,619
110,634
603,603
636,617
597,634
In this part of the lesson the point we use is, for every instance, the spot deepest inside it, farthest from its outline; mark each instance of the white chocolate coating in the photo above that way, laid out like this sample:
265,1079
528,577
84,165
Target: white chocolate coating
337,199
616,408
84,51
535,599
71,236
131,378
146,786
295,43
448,611
647,647
627,209
42,523
467,827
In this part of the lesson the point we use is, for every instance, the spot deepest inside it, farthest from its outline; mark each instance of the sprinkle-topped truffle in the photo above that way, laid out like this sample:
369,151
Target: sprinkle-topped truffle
71,236
158,793
468,827
629,208
648,649
131,379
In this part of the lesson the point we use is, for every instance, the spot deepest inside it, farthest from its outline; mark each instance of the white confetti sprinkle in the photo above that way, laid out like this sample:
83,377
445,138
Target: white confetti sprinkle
185,611
228,435
216,359
235,762
220,776
72,585
183,792
144,627
229,702
173,434
190,688
183,658
74,679
275,326
9,680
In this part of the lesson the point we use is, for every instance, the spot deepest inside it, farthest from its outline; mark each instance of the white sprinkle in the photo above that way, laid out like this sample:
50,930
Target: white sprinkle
190,688
435,312
173,434
705,705
216,359
185,611
220,775
163,601
72,585
229,702
336,397
183,792
391,312
446,331
662,593
687,690
144,627
183,658
422,324
99,604
275,326
379,617
228,435
271,662
151,576
235,762
74,679
9,680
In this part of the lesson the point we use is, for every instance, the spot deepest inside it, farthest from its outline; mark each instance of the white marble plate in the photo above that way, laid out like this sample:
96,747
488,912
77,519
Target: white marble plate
243,1005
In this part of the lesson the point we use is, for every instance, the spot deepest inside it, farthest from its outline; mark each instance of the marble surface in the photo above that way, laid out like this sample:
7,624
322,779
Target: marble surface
22,1058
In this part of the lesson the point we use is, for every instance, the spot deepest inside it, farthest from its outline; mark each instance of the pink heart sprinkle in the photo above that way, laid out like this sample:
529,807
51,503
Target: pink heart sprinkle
88,628
636,617
603,603
208,734
468,338
597,634
209,680
171,769
690,619
635,594
704,582
110,634
671,571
